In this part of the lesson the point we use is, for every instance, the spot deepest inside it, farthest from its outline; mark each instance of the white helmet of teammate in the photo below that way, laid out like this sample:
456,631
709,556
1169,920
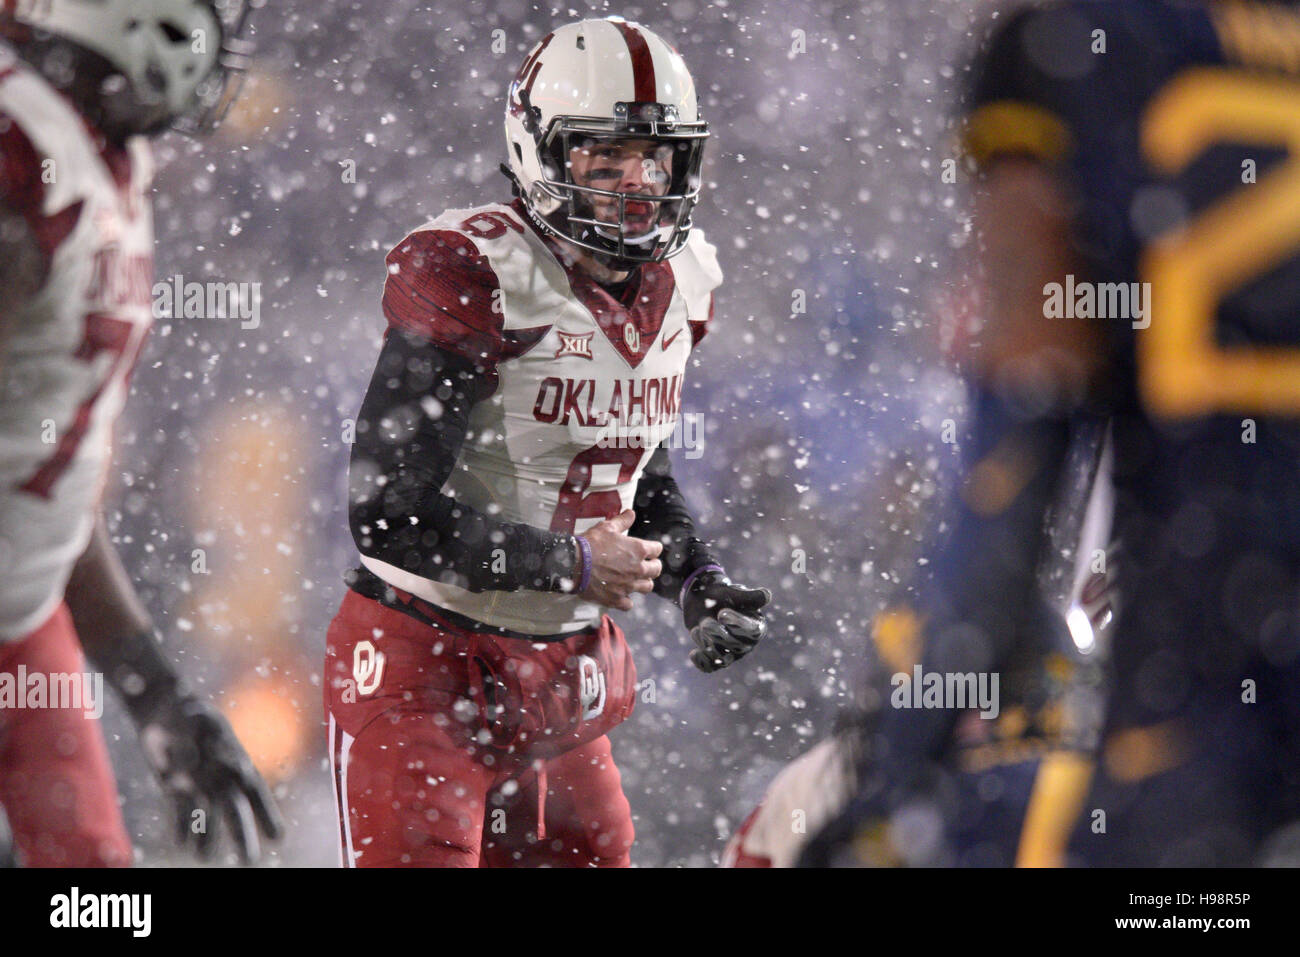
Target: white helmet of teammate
181,59
604,80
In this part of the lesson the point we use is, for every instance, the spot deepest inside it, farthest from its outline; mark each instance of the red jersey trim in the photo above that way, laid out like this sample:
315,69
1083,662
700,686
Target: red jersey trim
700,327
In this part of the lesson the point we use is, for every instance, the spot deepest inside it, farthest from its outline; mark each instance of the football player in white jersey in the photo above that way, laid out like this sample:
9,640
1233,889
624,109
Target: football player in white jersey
510,479
82,82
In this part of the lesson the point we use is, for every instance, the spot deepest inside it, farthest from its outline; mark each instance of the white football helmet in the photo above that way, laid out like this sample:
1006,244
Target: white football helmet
182,60
604,80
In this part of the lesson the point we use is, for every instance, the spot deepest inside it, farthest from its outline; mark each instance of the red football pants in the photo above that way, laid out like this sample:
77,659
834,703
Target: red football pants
56,783
434,767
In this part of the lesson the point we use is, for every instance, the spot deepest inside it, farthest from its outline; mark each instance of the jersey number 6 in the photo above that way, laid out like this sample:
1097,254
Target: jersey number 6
575,503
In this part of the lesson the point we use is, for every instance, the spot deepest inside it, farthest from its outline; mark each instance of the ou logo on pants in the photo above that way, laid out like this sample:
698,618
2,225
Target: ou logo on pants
367,667
591,687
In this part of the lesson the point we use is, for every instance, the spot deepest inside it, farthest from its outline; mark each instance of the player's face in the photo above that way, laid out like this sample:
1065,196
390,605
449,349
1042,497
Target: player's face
626,166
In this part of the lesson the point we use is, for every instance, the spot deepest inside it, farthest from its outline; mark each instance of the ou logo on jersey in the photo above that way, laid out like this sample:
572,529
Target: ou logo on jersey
367,667
591,687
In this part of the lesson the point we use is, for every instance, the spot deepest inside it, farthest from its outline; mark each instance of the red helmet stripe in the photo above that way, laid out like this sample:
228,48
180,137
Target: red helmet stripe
643,64
532,57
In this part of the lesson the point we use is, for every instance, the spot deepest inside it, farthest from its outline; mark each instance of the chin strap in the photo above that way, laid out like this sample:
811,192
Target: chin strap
609,260
650,237
515,188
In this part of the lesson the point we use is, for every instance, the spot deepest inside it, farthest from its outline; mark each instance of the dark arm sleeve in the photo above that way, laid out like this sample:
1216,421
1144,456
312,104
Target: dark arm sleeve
413,422
662,515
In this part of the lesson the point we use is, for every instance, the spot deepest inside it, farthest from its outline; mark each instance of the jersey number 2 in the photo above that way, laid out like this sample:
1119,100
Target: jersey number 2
1183,371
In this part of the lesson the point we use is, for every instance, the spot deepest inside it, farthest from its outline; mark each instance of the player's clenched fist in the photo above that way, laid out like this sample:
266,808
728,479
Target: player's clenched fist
620,565
725,620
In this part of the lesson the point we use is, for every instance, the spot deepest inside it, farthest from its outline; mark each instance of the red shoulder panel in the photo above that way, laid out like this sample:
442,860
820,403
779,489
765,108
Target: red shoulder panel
440,286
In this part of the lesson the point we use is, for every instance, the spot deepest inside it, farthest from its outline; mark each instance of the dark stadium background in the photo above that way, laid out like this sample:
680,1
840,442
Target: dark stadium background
824,174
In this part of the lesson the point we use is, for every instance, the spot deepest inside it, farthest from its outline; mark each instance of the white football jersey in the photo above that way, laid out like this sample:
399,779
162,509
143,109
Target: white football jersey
65,363
802,799
586,388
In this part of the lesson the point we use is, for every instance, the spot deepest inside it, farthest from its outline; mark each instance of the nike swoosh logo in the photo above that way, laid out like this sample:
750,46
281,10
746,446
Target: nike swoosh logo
669,341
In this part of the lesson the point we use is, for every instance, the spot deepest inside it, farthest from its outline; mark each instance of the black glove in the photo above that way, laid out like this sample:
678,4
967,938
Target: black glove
192,749
725,620
202,767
